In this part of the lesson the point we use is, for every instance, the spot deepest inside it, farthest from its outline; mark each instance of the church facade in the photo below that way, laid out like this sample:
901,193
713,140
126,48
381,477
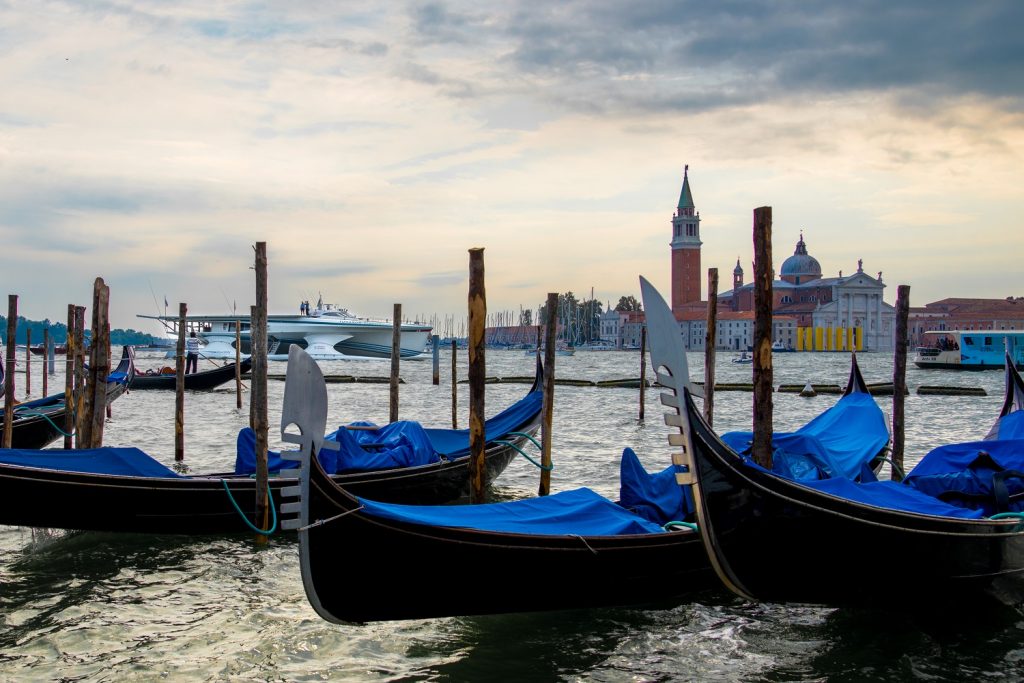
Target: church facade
832,313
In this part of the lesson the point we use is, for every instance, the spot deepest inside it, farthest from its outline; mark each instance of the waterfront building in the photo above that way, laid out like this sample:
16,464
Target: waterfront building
831,313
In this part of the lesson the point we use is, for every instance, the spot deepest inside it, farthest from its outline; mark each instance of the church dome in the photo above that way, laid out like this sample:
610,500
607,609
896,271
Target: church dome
801,265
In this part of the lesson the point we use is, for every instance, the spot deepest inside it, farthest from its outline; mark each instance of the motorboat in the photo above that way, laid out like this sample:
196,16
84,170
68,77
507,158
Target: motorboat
327,332
970,350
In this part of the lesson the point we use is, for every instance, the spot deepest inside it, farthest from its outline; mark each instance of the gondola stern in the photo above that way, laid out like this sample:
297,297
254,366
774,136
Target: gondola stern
1014,398
855,384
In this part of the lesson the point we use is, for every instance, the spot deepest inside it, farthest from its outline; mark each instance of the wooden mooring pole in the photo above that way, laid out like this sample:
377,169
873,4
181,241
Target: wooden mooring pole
99,365
238,364
643,371
455,386
179,386
69,380
79,389
763,375
46,359
710,342
28,362
477,374
396,360
12,330
261,422
435,345
899,380
548,400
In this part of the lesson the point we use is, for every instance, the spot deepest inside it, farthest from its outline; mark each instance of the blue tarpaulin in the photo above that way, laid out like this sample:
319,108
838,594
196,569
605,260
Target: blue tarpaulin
399,444
892,495
580,512
655,497
1011,426
837,443
107,460
964,474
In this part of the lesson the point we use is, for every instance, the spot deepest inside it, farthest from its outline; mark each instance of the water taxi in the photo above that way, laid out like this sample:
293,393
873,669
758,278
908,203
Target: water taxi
970,350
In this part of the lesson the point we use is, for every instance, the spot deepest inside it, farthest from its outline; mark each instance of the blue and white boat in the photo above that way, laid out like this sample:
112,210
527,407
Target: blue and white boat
970,350
326,333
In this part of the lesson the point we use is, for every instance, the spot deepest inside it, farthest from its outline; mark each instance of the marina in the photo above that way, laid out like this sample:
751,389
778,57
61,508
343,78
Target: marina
98,604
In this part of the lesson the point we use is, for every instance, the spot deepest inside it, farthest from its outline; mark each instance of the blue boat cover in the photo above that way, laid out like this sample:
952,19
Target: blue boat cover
892,495
966,474
1010,426
579,512
655,497
454,443
129,462
839,442
399,444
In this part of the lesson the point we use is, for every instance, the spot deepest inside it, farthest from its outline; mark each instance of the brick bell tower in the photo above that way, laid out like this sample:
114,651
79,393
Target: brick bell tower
686,275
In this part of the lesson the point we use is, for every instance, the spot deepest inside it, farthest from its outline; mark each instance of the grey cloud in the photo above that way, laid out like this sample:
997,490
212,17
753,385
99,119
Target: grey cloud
699,55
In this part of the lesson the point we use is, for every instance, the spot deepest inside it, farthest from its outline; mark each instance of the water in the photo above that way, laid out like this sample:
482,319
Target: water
97,606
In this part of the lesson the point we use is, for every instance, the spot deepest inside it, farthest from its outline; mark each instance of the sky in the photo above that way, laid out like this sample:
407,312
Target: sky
372,144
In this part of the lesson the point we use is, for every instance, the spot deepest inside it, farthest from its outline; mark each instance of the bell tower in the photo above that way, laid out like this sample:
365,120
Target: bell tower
737,282
686,275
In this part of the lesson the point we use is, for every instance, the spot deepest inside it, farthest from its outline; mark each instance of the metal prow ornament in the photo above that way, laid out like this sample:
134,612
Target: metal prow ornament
668,356
305,408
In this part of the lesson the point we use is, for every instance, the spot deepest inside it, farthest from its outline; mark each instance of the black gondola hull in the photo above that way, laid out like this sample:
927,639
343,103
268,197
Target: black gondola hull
775,540
201,505
360,567
195,381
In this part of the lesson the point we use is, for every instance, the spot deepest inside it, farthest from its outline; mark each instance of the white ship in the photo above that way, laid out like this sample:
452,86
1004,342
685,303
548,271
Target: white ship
326,333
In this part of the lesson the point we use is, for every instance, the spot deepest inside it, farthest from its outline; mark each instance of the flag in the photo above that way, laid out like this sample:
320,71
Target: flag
165,301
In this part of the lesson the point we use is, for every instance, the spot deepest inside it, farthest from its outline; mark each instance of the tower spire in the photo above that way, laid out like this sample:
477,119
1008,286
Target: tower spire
686,272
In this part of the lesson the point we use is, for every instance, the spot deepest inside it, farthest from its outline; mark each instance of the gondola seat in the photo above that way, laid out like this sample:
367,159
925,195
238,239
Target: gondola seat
656,497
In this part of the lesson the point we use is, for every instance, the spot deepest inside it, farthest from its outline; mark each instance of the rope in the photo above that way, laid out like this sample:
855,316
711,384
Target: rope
273,510
521,452
584,541
527,436
329,519
33,413
669,526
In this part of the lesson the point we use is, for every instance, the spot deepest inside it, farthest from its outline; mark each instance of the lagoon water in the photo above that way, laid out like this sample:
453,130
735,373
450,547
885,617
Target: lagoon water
96,606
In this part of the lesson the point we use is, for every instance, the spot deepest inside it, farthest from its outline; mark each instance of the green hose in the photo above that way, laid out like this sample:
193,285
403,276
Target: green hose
273,510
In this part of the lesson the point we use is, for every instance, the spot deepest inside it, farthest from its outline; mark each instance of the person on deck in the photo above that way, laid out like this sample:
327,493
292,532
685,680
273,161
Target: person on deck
191,353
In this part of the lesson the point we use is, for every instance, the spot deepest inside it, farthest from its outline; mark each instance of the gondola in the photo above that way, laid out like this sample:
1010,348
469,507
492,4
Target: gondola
40,350
194,381
357,555
39,423
126,490
831,543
